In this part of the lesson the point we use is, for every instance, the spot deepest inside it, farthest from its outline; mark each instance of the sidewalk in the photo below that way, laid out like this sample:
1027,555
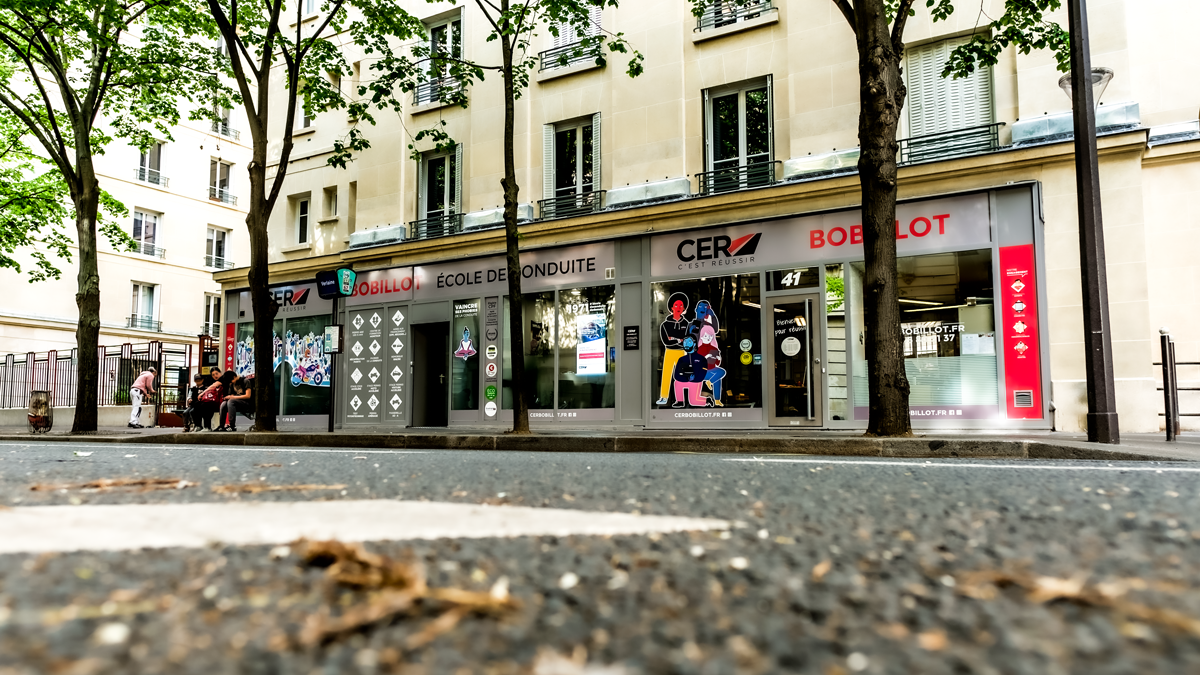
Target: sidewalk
961,444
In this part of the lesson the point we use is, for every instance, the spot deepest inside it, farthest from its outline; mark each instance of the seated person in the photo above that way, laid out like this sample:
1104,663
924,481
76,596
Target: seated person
240,400
191,415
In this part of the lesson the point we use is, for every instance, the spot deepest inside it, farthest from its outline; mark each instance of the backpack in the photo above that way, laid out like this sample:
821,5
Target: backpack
211,395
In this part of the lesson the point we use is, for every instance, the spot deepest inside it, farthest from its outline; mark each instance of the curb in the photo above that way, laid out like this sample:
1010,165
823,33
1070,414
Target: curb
911,448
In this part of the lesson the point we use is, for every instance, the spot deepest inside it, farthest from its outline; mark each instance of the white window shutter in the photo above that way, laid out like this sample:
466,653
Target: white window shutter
938,104
708,131
547,161
596,155
597,14
458,182
421,202
771,118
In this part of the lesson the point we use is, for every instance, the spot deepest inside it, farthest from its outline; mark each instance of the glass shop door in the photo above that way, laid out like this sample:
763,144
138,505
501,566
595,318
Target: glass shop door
795,397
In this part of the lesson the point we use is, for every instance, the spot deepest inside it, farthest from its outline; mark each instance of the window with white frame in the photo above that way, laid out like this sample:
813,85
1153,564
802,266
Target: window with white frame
569,35
218,182
571,166
739,135
445,43
145,233
441,184
331,202
306,119
310,7
223,125
150,165
939,104
215,251
564,51
302,221
143,312
212,315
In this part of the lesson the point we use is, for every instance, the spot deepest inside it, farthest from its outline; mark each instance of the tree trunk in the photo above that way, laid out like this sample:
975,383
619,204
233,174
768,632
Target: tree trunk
261,299
86,198
516,304
881,93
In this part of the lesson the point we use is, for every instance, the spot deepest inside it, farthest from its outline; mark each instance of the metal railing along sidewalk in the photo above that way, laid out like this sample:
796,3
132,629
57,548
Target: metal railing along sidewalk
1171,388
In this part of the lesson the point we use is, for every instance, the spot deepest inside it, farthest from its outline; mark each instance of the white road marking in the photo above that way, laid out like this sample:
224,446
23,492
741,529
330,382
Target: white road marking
949,465
40,529
226,448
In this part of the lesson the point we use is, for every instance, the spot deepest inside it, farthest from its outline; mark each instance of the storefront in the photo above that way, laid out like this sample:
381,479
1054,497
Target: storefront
301,374
752,325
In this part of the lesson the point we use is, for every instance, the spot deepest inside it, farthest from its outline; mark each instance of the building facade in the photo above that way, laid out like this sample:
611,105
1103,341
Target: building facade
691,248
183,212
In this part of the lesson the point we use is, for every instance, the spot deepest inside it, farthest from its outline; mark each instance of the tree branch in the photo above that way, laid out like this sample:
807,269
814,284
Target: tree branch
848,12
902,13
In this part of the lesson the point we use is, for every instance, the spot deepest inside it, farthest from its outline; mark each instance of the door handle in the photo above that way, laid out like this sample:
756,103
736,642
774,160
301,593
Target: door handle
441,379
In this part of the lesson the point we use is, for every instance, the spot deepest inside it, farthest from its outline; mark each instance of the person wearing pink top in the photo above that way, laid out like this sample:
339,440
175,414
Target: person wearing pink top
143,387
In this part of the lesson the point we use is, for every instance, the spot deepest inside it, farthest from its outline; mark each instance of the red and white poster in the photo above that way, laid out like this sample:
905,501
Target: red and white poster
230,341
1022,357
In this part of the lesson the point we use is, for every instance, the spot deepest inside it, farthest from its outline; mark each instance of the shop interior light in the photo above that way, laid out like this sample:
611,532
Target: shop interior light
755,305
920,302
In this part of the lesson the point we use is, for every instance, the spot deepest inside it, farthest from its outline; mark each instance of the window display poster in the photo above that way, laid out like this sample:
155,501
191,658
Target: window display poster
591,351
1022,360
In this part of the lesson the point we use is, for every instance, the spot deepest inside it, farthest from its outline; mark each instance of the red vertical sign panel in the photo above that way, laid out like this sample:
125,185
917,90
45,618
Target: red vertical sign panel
230,342
1021,333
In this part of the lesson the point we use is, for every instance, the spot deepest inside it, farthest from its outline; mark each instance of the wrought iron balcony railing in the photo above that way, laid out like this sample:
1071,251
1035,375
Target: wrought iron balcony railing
225,130
152,176
221,195
721,13
435,90
561,57
437,226
150,250
217,262
948,144
144,322
211,329
730,179
568,206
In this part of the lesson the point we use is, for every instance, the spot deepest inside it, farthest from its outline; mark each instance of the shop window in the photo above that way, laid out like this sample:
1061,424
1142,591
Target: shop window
835,343
464,368
586,354
304,367
948,321
539,352
706,349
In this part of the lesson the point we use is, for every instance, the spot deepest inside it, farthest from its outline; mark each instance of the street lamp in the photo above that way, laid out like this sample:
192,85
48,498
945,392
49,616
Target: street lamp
1102,402
1100,79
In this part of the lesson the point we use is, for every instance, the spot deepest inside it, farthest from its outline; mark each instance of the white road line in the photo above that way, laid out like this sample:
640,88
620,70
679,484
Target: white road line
947,465
40,529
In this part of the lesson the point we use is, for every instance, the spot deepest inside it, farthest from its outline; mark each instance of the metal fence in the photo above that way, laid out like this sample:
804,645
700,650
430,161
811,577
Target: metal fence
56,372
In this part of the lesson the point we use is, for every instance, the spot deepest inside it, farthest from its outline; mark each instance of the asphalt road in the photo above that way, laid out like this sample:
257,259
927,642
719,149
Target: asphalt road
830,566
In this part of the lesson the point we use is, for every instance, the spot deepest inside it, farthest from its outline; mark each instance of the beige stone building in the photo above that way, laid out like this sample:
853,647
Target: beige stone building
690,246
184,212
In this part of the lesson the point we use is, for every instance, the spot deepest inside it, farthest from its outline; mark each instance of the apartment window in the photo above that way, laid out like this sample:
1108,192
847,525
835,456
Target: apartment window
441,193
445,41
310,7
218,182
563,51
212,315
306,120
938,104
144,310
215,251
719,13
150,164
739,149
571,166
145,232
222,124
302,221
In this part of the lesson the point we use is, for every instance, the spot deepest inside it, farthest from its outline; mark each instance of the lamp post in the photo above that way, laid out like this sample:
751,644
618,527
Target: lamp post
1102,403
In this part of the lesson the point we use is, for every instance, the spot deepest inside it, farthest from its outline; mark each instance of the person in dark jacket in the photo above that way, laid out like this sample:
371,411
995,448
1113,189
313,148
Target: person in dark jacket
689,374
216,391
191,415
240,400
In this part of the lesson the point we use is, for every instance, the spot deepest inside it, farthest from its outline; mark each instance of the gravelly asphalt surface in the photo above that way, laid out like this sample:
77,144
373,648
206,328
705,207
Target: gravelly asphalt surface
837,566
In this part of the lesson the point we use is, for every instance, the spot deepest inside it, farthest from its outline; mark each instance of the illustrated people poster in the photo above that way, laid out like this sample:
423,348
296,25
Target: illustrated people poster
692,376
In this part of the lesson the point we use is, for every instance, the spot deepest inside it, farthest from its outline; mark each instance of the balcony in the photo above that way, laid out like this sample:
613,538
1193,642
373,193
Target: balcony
152,176
721,13
569,206
150,250
949,144
211,329
143,322
223,129
562,57
217,262
222,195
731,179
437,226
443,89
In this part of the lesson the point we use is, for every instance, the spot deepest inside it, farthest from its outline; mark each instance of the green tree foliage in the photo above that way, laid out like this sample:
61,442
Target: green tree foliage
77,74
268,46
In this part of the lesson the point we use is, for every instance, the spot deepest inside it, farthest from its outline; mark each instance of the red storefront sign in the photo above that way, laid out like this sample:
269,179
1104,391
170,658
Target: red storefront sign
230,341
1022,357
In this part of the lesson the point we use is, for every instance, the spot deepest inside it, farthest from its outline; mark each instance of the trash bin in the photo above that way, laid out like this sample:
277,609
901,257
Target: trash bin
41,415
